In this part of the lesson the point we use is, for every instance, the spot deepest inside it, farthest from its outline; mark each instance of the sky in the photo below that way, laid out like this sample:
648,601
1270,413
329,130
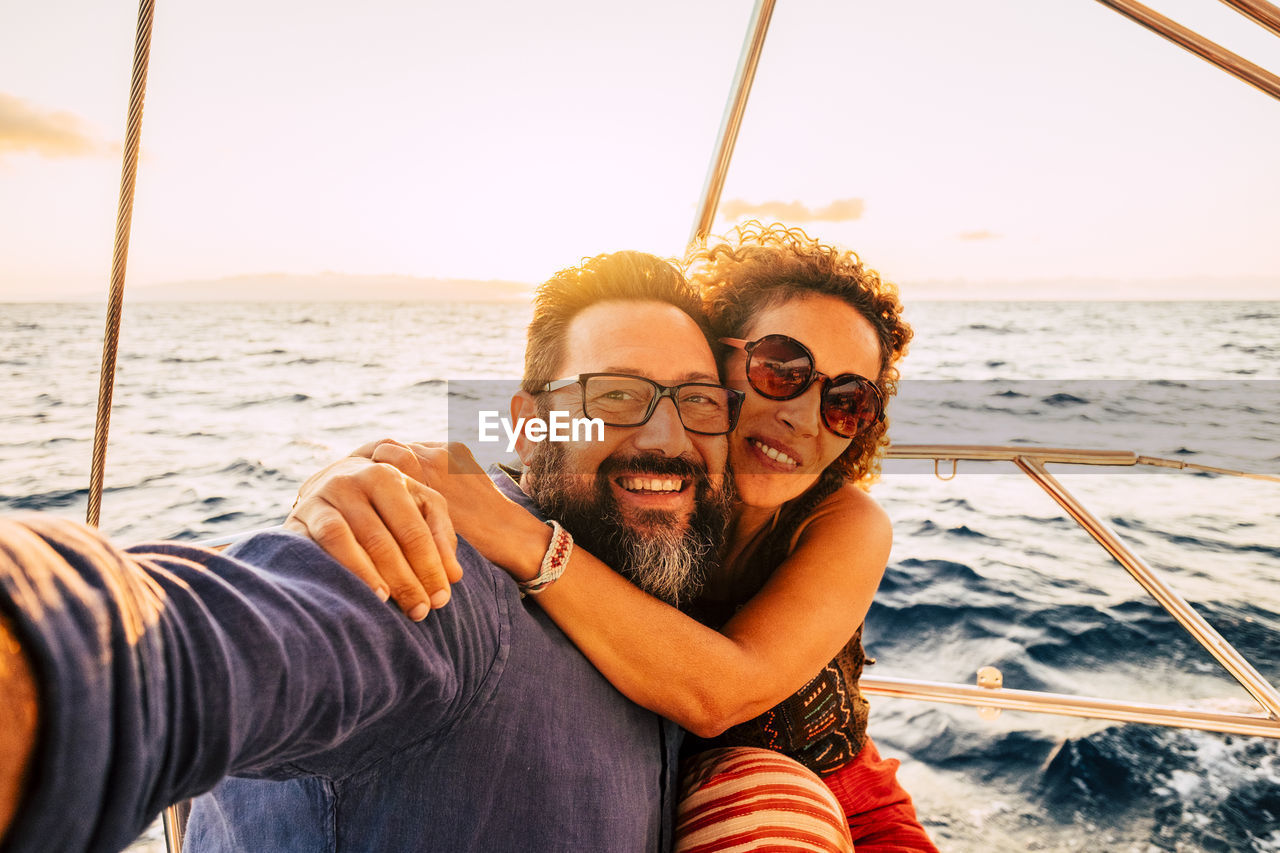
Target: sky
990,147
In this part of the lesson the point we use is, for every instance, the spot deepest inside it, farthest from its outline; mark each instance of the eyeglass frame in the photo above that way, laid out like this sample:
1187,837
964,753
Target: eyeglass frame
814,374
735,399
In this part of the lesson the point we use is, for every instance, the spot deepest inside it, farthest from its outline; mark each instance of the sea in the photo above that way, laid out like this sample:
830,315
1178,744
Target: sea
222,410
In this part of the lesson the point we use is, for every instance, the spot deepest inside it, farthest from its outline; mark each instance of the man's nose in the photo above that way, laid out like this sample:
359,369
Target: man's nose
663,432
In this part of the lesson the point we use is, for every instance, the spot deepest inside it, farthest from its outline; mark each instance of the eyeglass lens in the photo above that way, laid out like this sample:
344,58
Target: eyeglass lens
629,401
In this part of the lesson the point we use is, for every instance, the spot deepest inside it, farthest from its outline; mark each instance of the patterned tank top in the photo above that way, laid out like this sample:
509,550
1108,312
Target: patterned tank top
823,725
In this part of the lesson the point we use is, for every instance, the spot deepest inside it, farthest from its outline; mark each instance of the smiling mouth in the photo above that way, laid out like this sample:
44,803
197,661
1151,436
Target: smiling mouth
652,485
774,453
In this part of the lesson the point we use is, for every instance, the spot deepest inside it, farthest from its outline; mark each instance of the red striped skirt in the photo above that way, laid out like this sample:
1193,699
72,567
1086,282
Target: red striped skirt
740,799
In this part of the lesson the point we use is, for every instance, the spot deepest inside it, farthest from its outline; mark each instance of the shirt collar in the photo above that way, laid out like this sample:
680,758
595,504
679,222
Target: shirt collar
507,479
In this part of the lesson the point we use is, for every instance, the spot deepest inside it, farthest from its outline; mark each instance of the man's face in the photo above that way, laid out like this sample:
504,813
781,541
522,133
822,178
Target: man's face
603,491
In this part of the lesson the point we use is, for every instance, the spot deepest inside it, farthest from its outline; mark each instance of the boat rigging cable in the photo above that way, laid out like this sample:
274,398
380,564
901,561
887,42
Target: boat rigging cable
120,257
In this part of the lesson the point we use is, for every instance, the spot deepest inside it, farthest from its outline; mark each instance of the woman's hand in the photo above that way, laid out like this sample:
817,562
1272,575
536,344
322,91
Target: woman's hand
499,528
386,527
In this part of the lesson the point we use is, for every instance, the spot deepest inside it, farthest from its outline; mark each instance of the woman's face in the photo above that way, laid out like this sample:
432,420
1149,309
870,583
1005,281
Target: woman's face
780,447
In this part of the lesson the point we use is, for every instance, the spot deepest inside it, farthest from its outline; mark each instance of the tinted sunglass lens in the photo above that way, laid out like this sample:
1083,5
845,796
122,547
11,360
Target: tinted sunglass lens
779,367
850,406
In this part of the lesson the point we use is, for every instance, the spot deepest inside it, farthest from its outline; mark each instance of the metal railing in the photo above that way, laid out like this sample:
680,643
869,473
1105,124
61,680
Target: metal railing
1261,12
1032,461
734,111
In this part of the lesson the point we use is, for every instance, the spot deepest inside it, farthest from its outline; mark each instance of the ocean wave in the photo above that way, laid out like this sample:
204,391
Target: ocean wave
1064,399
1201,542
226,517
268,401
250,468
964,531
954,747
44,501
1249,349
918,570
1203,791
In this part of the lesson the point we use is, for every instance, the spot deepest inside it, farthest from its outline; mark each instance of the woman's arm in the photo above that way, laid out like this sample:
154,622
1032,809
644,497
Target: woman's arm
660,658
708,681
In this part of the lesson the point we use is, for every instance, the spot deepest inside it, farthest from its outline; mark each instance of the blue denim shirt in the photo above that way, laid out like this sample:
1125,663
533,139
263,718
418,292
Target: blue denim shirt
347,726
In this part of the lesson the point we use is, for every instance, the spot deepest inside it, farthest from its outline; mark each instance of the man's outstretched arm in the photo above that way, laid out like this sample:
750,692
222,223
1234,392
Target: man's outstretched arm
161,670
17,721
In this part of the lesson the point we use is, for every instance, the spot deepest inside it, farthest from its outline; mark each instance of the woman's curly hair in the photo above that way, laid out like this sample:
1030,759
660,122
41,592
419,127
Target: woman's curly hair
760,266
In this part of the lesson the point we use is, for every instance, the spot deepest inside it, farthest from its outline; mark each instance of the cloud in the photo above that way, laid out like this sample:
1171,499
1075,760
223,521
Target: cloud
794,212
26,127
978,235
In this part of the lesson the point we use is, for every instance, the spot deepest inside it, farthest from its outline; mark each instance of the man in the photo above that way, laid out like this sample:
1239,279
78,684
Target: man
481,728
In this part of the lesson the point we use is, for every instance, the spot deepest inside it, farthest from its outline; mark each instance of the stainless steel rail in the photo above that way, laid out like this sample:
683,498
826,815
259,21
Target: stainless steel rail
1071,706
1177,607
732,121
1211,52
1264,13
1031,460
1060,455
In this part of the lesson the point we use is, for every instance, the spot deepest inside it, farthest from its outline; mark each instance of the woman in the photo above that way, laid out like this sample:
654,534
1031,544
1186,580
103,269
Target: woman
813,339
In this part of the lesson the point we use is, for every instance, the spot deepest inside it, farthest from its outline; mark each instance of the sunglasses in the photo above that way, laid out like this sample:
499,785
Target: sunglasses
781,368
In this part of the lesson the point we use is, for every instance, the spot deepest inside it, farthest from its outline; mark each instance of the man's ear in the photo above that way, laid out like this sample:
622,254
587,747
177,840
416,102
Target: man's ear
523,405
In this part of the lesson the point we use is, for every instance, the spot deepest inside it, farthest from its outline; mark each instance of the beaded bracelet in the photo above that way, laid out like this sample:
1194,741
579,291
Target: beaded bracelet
553,564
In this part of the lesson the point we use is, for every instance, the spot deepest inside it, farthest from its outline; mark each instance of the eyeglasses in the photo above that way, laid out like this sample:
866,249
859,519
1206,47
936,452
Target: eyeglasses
624,400
782,368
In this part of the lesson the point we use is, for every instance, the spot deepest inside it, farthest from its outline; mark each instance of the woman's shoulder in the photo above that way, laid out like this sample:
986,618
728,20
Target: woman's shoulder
848,512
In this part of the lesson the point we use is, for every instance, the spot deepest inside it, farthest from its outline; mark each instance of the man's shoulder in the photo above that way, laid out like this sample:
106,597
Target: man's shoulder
276,562
293,553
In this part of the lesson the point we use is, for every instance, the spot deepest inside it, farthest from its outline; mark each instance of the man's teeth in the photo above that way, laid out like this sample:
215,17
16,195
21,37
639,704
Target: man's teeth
650,484
774,453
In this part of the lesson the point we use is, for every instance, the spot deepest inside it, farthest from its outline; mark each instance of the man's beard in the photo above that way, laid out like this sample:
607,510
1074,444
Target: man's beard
657,551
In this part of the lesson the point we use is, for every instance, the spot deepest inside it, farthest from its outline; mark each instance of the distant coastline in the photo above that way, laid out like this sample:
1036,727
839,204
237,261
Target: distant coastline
325,287
345,287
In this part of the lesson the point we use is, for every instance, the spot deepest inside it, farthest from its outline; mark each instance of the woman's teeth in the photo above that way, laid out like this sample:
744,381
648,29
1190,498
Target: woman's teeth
774,453
649,484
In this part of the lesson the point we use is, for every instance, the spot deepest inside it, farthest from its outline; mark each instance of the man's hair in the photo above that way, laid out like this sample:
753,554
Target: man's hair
758,267
634,276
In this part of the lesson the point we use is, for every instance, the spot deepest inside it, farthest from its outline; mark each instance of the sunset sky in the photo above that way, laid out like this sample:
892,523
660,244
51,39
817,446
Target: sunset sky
965,145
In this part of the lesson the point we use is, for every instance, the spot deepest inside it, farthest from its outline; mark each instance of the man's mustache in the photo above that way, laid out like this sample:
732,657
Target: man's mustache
655,465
